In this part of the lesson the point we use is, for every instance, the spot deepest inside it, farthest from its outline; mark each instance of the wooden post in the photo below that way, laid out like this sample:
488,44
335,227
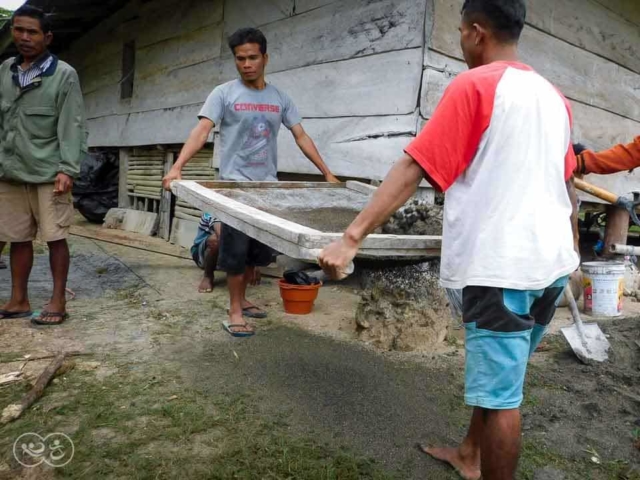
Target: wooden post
617,228
164,228
123,165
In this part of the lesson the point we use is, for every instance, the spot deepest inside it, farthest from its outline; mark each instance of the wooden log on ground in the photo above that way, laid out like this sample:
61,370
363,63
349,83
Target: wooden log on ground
15,410
11,377
131,240
31,358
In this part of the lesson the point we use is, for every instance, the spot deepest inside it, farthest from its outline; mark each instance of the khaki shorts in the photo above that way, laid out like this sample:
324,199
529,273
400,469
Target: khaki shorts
26,209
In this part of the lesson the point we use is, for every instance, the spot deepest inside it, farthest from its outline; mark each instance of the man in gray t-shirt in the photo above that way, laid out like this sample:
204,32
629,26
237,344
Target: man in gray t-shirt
249,122
249,112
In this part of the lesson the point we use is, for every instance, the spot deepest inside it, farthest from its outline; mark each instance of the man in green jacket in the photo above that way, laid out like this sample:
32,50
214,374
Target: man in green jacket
42,139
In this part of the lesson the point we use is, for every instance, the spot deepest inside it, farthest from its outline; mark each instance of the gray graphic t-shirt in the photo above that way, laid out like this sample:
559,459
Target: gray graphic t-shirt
249,124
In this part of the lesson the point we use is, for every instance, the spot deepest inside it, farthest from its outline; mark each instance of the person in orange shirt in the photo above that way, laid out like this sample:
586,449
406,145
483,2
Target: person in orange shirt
619,158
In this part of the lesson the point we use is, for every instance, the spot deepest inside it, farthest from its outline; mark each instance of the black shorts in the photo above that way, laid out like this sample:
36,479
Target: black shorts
239,251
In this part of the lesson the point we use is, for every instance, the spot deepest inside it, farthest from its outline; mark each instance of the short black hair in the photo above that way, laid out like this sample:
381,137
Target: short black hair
248,35
33,12
505,17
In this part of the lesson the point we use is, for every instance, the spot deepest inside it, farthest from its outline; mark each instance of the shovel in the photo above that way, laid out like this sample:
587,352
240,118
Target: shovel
586,339
619,201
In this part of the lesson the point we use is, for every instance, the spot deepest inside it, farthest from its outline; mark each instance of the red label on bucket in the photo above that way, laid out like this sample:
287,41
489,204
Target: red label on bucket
588,298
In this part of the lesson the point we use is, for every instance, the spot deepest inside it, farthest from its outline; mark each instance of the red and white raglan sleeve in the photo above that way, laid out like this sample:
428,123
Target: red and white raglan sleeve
450,139
570,160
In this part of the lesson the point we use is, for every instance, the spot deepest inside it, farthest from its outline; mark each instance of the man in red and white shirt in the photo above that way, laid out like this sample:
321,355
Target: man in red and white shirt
499,145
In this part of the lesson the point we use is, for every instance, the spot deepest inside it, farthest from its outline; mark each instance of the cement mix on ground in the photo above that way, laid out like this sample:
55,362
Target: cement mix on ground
403,308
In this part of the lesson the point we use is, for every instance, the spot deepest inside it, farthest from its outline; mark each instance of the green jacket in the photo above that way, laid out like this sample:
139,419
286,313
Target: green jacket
42,127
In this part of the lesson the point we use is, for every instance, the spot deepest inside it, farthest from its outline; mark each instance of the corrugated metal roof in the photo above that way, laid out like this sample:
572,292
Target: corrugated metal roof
71,19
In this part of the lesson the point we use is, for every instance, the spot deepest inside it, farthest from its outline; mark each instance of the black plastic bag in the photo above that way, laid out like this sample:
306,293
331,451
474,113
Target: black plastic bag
95,190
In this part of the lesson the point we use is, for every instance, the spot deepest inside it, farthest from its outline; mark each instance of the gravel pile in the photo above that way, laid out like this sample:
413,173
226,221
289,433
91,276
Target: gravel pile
415,218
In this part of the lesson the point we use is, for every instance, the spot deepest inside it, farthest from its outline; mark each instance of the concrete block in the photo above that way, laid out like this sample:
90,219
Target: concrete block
145,223
183,232
114,218
136,221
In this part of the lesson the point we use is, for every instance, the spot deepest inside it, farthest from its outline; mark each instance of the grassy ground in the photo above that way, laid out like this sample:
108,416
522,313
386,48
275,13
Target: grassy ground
165,393
136,426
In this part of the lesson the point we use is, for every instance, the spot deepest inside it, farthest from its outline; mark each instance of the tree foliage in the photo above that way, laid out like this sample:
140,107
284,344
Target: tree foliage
4,13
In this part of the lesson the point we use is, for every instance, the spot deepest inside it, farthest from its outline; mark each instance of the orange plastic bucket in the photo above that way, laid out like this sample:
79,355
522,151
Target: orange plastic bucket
298,299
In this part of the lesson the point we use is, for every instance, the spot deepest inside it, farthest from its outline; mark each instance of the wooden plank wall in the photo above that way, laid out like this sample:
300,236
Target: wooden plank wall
365,74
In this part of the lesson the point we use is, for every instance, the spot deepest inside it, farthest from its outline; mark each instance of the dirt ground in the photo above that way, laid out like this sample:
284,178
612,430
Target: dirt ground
163,392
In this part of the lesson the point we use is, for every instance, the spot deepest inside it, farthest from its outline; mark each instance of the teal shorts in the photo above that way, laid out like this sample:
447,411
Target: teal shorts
503,329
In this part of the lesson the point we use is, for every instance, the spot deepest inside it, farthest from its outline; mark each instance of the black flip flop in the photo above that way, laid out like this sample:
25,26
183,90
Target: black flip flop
47,314
246,312
7,315
251,313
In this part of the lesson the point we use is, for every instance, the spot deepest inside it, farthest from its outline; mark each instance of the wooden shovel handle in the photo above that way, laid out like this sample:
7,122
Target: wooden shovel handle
601,193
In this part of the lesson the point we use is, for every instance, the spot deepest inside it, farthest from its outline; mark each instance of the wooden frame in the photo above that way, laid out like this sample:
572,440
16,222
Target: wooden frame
290,238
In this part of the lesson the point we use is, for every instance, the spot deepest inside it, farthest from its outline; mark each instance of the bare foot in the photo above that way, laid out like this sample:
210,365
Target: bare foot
465,467
206,285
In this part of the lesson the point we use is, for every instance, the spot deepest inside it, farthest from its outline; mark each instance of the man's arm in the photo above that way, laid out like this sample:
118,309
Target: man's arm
619,158
399,185
310,151
196,141
71,135
573,197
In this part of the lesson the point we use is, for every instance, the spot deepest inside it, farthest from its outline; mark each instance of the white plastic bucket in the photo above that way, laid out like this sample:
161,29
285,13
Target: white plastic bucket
603,288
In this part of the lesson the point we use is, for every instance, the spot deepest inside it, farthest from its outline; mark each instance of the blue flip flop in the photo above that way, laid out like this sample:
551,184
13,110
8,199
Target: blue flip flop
39,318
228,328
7,315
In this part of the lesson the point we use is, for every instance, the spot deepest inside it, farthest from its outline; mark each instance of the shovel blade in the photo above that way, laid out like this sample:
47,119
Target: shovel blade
593,347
